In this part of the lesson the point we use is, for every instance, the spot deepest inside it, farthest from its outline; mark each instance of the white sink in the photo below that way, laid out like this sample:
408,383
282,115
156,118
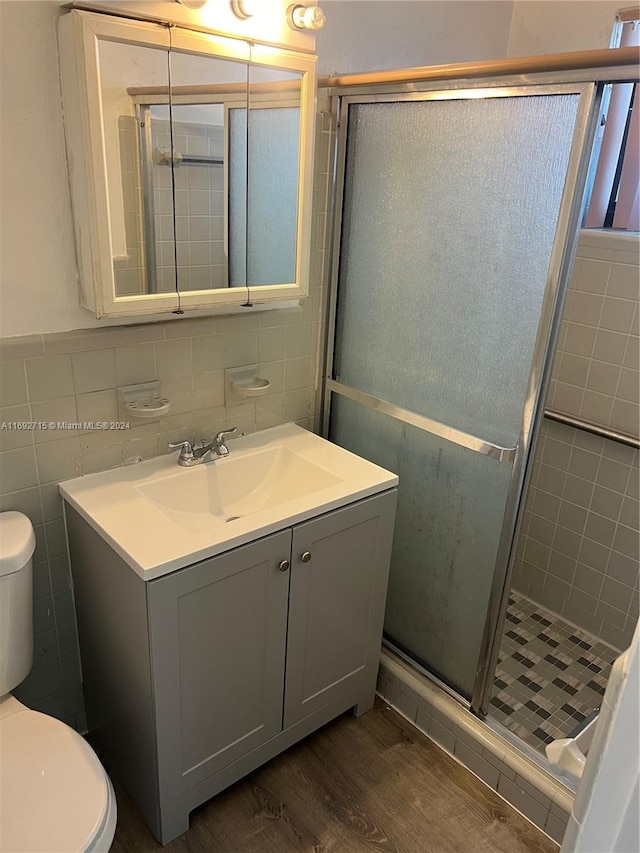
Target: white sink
160,517
230,489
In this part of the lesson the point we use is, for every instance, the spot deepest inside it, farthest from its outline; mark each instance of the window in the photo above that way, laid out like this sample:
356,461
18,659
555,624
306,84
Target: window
615,193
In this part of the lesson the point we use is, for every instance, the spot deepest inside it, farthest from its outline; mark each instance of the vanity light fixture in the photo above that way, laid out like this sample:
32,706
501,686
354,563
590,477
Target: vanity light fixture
244,8
193,4
306,17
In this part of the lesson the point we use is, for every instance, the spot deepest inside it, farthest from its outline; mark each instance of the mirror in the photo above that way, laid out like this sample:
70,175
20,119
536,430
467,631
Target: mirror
187,158
192,166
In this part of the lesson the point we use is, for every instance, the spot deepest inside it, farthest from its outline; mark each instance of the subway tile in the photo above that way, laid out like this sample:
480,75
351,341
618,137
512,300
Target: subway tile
522,801
477,764
94,370
17,470
13,383
50,377
555,827
442,736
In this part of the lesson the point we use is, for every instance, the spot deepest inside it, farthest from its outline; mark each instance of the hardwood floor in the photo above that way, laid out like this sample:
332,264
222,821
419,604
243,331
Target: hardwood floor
357,785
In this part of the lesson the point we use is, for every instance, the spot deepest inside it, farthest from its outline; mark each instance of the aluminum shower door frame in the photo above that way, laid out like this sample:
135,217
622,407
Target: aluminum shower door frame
583,82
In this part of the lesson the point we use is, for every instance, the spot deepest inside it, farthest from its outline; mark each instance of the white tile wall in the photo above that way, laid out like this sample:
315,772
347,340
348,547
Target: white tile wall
578,550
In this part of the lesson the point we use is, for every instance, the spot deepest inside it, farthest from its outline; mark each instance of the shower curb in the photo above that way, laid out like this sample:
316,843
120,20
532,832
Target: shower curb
508,770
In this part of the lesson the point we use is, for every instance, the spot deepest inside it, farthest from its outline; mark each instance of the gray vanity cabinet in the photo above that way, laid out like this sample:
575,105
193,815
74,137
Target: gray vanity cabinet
339,572
194,679
218,638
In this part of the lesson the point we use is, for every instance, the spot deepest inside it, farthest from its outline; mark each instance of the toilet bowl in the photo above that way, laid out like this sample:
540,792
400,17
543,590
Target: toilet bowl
55,795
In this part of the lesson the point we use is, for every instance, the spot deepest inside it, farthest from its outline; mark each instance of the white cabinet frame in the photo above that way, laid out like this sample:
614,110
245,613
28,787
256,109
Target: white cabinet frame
79,36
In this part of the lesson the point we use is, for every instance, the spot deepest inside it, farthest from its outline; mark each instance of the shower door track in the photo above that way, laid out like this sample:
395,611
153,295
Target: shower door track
586,72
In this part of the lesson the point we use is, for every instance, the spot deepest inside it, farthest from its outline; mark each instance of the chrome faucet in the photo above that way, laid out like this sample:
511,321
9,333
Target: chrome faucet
199,453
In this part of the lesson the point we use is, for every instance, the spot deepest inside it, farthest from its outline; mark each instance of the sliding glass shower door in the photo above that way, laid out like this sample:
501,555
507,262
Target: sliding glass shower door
457,215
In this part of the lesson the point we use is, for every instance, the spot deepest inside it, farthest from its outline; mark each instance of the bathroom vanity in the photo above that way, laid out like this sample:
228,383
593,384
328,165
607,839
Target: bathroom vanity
223,618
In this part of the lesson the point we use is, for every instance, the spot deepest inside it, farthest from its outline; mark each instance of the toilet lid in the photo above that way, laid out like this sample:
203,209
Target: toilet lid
53,789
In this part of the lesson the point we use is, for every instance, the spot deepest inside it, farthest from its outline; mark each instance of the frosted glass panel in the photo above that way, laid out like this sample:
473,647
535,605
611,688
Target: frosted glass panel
449,218
272,195
237,199
450,507
270,180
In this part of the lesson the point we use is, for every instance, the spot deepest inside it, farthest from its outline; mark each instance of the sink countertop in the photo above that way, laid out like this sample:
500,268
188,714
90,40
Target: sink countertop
153,544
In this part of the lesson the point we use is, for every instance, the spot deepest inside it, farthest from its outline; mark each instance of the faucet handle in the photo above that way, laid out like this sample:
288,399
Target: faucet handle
220,437
186,450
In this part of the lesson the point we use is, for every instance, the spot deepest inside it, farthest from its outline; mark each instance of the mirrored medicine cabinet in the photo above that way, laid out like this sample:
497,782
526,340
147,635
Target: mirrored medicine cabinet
190,159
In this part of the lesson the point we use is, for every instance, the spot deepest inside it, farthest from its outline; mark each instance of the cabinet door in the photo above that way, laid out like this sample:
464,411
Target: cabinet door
339,571
218,635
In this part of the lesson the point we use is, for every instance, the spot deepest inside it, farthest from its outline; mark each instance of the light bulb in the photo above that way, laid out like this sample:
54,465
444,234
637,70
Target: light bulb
244,8
306,17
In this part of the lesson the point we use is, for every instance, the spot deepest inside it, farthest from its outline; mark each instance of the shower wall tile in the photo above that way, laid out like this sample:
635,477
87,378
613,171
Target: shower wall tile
578,554
72,377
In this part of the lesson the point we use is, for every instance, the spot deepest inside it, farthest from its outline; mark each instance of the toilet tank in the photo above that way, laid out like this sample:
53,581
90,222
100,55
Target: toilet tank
17,543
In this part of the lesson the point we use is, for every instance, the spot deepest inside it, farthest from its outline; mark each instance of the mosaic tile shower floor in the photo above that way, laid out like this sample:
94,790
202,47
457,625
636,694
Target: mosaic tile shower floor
550,675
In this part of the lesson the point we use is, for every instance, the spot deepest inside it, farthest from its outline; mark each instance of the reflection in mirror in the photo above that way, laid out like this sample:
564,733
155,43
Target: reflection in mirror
186,160
272,136
121,66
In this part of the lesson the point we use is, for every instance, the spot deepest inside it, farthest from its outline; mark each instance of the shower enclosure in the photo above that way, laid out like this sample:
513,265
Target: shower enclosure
457,204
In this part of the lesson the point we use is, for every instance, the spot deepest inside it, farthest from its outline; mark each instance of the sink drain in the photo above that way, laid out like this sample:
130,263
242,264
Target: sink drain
232,518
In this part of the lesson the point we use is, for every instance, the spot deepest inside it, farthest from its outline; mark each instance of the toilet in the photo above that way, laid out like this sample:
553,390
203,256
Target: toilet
55,794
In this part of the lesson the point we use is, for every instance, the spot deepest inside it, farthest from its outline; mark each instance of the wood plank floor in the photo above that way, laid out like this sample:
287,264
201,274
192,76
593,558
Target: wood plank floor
371,784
